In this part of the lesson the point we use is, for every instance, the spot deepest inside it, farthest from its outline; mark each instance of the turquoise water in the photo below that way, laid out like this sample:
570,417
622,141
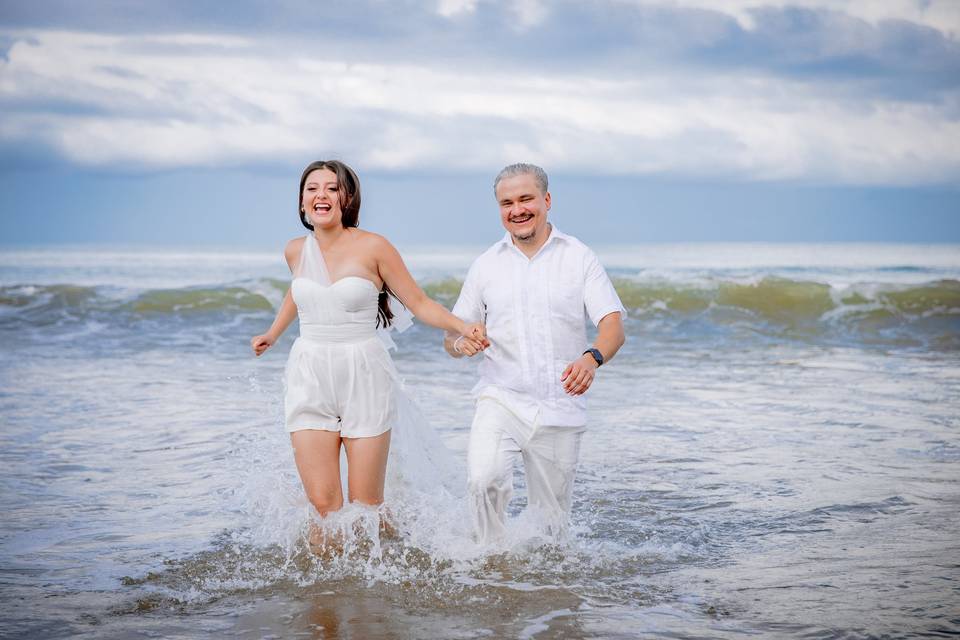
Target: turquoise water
774,452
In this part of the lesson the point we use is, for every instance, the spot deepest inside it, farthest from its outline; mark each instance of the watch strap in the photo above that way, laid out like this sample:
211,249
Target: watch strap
596,355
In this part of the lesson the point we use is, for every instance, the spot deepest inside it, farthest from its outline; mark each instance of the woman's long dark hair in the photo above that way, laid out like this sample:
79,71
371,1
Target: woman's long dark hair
348,192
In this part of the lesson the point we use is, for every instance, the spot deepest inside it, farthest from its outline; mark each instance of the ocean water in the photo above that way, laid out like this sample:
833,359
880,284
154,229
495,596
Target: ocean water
774,453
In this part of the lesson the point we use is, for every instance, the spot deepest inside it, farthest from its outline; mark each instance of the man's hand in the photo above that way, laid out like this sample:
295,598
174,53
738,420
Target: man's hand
579,374
471,340
470,346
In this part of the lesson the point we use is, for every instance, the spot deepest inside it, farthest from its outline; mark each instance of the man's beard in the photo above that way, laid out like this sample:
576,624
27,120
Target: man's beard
527,238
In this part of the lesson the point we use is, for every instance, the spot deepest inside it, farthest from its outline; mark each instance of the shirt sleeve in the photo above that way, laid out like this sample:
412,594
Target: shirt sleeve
599,296
469,306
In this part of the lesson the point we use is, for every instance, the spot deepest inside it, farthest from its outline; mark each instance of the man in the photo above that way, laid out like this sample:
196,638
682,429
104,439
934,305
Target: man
531,289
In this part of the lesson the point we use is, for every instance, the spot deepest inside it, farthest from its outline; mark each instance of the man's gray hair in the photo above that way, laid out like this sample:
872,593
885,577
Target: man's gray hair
521,169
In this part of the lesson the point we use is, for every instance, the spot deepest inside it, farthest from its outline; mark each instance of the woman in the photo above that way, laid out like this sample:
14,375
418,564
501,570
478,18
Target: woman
340,381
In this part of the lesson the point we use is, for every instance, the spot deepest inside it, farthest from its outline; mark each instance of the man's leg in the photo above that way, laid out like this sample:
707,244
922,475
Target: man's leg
492,452
550,460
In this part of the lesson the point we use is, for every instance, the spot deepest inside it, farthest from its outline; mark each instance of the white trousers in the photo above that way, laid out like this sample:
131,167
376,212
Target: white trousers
498,437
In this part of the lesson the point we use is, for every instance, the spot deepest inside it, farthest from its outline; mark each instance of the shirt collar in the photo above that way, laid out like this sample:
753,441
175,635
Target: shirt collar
555,235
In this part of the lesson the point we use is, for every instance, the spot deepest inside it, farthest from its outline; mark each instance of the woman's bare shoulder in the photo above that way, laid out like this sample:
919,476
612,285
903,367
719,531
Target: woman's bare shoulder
372,240
292,251
362,235
296,243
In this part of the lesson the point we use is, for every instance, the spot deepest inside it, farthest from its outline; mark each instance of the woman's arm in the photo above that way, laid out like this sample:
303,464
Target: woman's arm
286,314
288,309
396,276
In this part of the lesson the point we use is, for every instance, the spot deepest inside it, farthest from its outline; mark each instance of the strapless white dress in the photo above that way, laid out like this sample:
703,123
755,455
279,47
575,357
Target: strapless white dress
339,376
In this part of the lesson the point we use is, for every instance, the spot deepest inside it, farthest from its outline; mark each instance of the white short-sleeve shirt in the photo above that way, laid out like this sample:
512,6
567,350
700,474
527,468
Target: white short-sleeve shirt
534,312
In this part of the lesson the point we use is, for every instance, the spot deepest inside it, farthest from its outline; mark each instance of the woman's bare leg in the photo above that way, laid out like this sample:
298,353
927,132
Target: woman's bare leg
367,468
367,472
317,454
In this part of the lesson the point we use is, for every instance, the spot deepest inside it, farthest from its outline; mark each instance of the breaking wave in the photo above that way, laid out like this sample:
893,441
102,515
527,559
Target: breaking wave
925,314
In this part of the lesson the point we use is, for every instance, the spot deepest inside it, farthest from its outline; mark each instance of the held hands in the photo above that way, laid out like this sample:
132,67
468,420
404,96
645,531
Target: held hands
261,343
579,374
472,340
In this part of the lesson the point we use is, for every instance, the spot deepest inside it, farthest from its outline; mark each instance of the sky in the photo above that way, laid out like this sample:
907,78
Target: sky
187,122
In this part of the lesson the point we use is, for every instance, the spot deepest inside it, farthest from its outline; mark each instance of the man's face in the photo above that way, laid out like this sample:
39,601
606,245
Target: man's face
523,209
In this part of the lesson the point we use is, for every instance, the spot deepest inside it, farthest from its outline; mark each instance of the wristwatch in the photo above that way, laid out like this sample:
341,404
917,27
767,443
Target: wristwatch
596,355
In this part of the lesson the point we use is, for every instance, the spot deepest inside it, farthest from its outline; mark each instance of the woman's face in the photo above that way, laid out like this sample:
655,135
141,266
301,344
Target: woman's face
321,199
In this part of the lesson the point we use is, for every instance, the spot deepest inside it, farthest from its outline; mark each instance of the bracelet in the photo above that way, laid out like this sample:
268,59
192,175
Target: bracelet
456,345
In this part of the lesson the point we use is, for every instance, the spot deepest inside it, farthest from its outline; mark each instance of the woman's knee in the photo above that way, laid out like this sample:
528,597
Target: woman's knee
370,501
372,496
325,501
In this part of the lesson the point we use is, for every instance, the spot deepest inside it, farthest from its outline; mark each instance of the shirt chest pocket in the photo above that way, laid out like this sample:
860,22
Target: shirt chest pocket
566,298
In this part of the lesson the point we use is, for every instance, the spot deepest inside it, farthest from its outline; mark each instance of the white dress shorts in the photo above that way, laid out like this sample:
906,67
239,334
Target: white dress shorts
345,387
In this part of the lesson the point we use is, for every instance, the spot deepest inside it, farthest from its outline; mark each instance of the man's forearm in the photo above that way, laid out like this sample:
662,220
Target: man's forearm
610,335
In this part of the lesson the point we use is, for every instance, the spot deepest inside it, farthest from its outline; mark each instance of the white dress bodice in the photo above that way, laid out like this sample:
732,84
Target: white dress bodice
336,312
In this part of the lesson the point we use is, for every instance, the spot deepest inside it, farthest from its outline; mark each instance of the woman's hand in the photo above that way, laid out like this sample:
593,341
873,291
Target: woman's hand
474,330
261,343
472,340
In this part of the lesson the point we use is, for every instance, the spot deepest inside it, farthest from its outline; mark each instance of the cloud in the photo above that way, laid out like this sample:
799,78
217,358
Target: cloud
942,15
529,13
727,89
893,58
450,8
